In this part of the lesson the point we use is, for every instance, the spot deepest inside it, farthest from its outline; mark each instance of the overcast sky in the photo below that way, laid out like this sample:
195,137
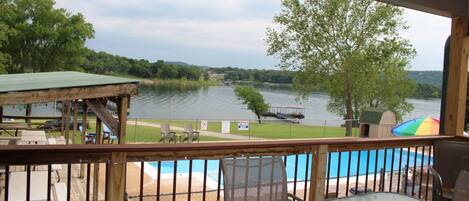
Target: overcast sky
218,32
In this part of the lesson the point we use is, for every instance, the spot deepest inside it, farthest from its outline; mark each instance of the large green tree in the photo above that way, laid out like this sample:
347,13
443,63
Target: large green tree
253,99
43,38
4,58
349,48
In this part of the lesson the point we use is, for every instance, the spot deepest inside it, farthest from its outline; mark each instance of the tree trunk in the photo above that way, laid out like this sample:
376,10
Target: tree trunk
259,118
348,105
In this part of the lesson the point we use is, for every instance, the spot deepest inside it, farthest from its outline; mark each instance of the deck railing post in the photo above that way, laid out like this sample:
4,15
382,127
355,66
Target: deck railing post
115,183
318,173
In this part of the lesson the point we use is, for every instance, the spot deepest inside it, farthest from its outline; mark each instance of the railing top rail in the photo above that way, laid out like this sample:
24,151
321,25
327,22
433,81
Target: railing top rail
42,154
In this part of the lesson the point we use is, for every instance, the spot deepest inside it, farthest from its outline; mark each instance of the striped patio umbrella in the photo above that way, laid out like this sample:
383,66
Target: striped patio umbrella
417,126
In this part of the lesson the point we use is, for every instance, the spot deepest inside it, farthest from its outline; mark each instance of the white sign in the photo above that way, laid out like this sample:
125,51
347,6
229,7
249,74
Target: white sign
243,125
225,126
203,125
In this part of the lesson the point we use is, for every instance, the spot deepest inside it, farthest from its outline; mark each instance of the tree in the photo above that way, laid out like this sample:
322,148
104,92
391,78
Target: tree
349,48
253,99
3,57
42,37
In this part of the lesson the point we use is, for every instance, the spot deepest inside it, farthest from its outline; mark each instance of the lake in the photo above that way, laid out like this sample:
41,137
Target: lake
220,103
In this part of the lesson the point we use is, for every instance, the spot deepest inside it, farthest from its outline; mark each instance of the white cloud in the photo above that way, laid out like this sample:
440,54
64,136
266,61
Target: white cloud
223,27
227,34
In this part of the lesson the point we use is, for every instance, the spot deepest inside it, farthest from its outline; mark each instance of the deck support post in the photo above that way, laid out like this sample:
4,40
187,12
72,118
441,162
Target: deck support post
67,122
318,173
456,88
116,170
28,114
75,119
122,105
84,124
1,113
96,165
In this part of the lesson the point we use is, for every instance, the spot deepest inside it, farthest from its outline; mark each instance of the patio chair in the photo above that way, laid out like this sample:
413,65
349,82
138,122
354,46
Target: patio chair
255,179
90,138
438,193
109,135
190,134
166,134
461,189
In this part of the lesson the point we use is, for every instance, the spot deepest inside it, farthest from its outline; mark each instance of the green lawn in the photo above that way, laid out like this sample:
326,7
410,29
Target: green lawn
134,134
267,130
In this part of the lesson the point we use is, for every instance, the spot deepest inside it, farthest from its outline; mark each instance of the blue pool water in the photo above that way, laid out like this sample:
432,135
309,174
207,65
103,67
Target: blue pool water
167,167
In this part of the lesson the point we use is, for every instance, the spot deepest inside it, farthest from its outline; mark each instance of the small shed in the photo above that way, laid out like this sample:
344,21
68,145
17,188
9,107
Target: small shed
377,122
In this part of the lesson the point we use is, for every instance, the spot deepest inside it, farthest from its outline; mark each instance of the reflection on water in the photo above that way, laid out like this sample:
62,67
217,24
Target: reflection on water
220,102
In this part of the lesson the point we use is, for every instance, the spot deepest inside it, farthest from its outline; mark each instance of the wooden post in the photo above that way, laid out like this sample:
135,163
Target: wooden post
96,165
99,124
67,122
1,113
123,104
115,185
28,114
84,124
75,119
455,107
62,121
318,173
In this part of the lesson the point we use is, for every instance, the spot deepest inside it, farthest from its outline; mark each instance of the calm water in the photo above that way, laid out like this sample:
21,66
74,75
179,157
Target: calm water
220,102
167,167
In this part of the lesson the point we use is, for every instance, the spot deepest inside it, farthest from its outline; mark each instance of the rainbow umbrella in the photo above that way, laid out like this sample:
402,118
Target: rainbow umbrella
417,126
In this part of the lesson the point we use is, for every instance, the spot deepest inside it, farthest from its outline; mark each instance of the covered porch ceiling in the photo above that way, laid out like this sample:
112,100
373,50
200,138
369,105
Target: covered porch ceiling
447,8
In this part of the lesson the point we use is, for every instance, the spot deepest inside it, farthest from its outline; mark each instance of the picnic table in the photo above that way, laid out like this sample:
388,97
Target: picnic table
33,137
7,127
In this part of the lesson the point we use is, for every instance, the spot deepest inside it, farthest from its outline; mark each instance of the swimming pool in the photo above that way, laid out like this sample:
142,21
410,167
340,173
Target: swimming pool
167,167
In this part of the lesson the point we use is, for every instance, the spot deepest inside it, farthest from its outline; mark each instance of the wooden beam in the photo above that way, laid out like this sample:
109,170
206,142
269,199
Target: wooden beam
122,107
84,125
115,189
447,8
28,114
31,117
62,121
75,119
67,122
1,114
318,173
59,154
96,165
100,110
456,89
99,124
52,95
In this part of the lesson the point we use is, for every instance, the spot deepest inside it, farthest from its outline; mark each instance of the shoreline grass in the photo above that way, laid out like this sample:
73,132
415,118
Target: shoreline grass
265,130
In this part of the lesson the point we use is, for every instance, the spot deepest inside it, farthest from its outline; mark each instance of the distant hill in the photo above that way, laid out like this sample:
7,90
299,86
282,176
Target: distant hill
434,78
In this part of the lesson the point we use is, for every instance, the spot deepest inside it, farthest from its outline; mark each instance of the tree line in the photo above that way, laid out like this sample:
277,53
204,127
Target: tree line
256,75
105,63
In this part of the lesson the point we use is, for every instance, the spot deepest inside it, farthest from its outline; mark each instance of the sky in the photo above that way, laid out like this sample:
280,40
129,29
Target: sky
219,32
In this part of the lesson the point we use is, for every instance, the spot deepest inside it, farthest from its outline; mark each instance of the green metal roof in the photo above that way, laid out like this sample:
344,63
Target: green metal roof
372,115
55,80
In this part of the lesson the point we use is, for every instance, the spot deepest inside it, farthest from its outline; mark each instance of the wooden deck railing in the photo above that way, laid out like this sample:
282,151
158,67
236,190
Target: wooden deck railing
319,164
